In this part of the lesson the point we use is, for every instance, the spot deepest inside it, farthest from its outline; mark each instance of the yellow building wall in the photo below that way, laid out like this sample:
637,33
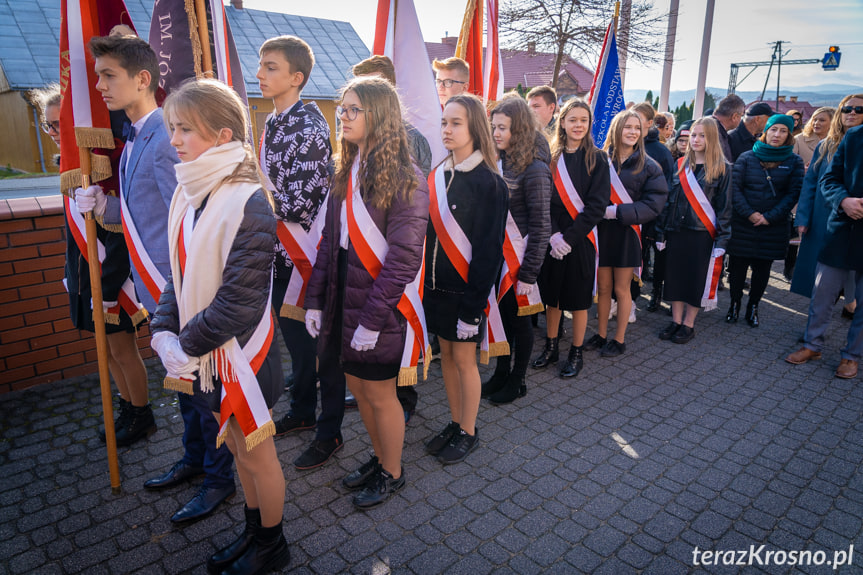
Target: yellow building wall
19,148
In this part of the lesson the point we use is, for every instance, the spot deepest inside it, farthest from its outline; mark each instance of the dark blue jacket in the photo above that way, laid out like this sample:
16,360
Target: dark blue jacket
844,179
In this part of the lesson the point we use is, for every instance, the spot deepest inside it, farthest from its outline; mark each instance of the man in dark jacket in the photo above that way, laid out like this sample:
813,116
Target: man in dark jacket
728,113
843,189
743,137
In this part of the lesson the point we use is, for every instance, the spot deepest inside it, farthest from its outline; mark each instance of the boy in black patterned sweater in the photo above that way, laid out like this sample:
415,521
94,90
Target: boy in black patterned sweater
295,158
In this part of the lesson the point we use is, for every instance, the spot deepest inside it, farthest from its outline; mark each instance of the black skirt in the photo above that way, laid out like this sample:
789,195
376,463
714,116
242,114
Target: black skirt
567,284
687,259
82,316
619,246
441,309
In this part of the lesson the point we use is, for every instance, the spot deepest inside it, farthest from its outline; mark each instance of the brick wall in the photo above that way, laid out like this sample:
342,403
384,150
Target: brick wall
38,343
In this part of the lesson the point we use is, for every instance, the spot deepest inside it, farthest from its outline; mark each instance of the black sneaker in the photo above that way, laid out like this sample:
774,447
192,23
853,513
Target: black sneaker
359,477
289,424
596,342
378,489
439,441
459,446
669,331
318,453
613,348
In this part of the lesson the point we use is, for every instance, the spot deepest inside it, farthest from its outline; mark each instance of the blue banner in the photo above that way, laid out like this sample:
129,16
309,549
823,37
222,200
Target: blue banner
607,98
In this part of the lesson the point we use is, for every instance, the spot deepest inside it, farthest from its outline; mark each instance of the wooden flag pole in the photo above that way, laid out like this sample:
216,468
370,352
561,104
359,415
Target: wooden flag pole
204,36
99,324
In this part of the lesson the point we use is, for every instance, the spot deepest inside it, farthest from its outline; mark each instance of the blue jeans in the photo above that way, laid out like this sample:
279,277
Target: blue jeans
829,281
304,397
199,441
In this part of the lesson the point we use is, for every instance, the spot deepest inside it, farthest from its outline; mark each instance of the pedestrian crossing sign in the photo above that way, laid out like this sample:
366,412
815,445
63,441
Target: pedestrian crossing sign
831,60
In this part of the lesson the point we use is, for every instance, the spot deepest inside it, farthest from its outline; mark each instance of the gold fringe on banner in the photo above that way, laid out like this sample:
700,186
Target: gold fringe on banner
253,440
427,362
494,350
116,228
112,318
100,169
140,316
180,385
407,377
530,309
292,312
94,138
197,51
467,21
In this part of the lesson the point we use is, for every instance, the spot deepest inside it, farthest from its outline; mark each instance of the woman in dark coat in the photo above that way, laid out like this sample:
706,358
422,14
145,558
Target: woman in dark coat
524,159
355,308
569,273
765,186
619,242
690,244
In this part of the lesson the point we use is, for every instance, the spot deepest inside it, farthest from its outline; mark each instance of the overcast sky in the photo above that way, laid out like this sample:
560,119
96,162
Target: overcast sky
742,30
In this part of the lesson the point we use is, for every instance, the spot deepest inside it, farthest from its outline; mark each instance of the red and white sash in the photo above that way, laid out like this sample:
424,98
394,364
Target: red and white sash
301,246
147,270
514,247
702,208
619,196
459,250
574,205
127,300
372,248
236,367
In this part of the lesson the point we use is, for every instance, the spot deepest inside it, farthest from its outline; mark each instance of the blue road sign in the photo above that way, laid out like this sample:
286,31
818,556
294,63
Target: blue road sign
831,60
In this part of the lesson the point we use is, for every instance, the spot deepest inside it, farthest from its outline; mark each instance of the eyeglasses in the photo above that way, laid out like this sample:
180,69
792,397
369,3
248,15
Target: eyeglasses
855,109
350,112
48,126
448,82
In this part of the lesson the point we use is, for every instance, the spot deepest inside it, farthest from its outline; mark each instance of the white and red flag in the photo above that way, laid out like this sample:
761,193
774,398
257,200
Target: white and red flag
486,67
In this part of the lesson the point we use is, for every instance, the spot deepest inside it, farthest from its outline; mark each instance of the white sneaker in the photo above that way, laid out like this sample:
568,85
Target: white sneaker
613,310
632,313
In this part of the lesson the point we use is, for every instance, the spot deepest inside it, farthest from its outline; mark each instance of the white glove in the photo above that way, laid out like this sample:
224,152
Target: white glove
167,346
313,322
465,330
611,212
92,199
106,305
364,339
522,288
559,246
660,246
718,252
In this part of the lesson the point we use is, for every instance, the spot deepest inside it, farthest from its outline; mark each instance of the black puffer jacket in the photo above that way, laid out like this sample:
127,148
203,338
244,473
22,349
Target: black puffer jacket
529,194
647,188
479,201
751,192
659,152
679,215
241,300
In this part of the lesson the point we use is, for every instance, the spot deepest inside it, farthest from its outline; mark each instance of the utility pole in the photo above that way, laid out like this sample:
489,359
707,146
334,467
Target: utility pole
778,72
698,108
669,55
623,38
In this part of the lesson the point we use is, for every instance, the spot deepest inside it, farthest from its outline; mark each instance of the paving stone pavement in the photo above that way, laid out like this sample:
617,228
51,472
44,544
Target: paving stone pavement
718,444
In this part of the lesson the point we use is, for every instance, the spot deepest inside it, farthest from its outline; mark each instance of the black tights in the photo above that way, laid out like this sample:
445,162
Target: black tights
519,333
737,267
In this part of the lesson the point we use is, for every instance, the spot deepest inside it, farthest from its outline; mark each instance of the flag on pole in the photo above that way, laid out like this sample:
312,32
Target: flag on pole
84,119
493,71
606,91
486,68
399,38
174,37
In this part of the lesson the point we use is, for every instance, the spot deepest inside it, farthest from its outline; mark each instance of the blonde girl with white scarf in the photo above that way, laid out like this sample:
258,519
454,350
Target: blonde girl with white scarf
213,328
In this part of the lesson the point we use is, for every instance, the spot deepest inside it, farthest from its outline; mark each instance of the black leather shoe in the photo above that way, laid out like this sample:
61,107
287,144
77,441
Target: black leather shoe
613,348
550,353
179,473
358,478
378,489
123,416
669,331
439,441
752,315
261,556
318,453
596,342
683,335
289,424
574,362
513,388
203,503
496,382
141,424
733,312
227,555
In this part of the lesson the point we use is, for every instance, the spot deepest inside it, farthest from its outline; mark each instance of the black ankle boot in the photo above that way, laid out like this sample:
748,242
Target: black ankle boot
514,388
227,555
268,551
123,413
655,297
141,424
752,315
498,378
550,354
574,362
733,312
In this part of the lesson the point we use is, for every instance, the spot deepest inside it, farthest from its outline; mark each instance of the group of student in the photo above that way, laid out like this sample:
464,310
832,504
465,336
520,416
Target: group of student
361,255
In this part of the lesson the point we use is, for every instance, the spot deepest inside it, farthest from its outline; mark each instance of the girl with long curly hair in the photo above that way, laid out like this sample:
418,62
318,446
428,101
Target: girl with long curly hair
372,248
523,158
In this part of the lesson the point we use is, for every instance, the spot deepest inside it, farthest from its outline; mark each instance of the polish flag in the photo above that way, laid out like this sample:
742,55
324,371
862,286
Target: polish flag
486,67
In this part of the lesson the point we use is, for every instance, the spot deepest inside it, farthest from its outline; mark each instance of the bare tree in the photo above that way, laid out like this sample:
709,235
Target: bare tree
577,27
